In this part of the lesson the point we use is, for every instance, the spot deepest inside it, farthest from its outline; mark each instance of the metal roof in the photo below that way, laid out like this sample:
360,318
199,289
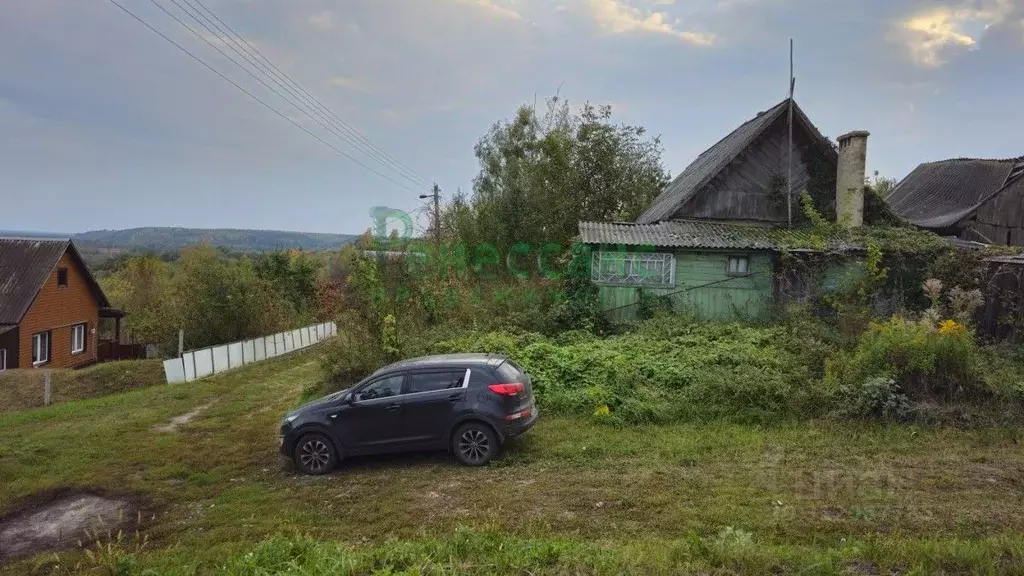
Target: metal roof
25,264
713,160
940,194
704,234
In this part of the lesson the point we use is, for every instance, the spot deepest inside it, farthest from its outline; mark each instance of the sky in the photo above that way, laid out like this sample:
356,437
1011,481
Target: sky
106,125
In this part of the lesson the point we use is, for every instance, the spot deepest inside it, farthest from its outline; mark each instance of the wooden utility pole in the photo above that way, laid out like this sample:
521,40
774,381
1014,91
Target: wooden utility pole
436,195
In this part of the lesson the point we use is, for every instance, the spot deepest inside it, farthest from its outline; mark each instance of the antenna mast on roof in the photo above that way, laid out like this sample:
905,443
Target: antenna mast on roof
789,157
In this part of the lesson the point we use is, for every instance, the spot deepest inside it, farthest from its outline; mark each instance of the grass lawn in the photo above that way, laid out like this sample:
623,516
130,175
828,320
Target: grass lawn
572,496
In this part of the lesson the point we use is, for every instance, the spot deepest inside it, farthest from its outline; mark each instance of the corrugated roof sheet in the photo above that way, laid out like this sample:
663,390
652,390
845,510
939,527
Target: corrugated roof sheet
940,194
25,263
713,160
703,234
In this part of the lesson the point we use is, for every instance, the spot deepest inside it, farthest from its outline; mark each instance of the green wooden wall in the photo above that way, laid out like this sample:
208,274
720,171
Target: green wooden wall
704,288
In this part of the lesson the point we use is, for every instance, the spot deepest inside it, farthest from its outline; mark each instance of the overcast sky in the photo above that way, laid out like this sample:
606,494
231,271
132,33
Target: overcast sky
103,124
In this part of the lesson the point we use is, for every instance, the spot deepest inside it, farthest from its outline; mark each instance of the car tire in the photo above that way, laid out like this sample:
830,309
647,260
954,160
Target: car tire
315,454
474,444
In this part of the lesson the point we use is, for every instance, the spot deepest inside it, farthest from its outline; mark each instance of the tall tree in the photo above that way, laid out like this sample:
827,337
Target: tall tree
541,175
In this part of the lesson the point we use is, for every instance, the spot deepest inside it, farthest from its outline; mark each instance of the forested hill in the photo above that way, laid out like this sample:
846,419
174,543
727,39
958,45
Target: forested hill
172,239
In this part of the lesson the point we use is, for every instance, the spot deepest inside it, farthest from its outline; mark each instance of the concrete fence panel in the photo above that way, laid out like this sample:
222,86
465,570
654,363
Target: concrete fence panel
198,364
174,370
220,358
203,362
235,355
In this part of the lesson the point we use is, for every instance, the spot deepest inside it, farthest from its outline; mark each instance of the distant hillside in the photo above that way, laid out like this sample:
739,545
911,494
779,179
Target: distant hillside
170,239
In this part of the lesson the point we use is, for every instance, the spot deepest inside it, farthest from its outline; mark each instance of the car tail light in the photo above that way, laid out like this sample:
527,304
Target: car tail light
510,389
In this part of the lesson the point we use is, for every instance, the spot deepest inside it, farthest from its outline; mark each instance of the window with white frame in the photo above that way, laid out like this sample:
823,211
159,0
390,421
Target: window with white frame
3,359
738,265
634,268
78,338
41,348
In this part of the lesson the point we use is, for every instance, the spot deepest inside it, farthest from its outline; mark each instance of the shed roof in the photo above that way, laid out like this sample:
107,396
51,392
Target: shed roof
940,194
25,264
715,159
704,234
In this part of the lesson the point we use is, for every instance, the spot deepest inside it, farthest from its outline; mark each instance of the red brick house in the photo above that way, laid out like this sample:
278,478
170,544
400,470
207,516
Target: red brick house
50,305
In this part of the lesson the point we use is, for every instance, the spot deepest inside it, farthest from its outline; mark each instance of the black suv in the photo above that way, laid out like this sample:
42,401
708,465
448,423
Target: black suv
467,403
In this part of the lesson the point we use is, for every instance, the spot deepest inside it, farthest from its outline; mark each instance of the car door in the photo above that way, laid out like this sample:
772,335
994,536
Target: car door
372,421
433,397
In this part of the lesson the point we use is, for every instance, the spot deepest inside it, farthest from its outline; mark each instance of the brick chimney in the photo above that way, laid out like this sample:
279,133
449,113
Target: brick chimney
853,155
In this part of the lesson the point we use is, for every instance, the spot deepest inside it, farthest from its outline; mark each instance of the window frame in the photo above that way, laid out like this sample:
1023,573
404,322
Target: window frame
401,389
422,371
85,337
3,359
36,349
62,272
728,265
632,259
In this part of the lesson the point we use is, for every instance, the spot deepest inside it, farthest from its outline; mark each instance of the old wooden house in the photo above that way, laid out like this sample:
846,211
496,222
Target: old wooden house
972,199
711,240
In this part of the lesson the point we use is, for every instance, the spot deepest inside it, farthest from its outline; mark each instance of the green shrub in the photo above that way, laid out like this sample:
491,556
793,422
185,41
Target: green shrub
666,370
349,357
926,362
876,397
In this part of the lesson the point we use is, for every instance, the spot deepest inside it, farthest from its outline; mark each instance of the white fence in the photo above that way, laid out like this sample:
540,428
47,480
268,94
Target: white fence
207,361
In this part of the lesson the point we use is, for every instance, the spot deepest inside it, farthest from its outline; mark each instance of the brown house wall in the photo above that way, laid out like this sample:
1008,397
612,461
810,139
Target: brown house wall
56,309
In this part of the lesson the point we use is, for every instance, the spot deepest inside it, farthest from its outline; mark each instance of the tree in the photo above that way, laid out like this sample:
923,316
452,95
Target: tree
540,176
292,274
141,287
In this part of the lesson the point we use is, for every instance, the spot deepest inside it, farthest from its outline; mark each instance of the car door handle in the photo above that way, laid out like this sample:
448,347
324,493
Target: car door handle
455,397
391,407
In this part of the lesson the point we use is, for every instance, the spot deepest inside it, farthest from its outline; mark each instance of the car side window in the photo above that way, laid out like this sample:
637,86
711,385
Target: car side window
383,388
434,381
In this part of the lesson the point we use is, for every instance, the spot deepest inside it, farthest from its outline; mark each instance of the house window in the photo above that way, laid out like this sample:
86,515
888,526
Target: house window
78,338
634,268
738,265
41,348
3,359
62,277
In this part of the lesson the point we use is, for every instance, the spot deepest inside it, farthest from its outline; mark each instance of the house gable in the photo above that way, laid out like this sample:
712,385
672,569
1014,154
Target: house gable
756,152
1000,219
752,186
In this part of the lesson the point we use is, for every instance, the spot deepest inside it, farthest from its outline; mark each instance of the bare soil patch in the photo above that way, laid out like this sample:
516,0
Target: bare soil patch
178,421
60,520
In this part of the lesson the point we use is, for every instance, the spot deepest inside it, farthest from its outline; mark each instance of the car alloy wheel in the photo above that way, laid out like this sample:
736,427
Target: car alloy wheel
315,455
475,445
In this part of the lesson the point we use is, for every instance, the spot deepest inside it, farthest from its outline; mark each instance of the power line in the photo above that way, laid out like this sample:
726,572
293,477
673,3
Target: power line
275,71
351,136
243,68
253,96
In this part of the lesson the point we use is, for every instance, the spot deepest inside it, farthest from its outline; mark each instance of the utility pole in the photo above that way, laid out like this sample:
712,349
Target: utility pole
436,195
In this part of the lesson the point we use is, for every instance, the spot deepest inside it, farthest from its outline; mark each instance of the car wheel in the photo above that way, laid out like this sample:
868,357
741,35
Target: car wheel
474,444
315,454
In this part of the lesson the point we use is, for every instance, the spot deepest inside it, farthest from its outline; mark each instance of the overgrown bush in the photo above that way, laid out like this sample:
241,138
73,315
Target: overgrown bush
664,371
927,362
876,397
